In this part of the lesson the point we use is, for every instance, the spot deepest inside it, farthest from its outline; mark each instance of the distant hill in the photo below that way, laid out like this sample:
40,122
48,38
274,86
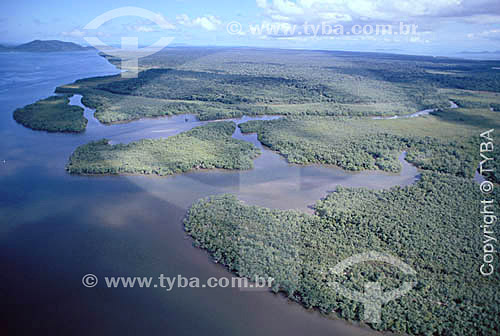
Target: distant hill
46,46
480,52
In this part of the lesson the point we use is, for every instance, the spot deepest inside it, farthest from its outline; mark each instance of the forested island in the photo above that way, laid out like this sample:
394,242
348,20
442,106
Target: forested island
227,83
45,46
446,141
53,114
328,101
212,85
430,226
203,147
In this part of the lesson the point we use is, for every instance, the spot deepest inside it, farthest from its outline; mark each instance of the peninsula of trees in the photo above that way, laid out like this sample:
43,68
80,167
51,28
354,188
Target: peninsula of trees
53,114
203,147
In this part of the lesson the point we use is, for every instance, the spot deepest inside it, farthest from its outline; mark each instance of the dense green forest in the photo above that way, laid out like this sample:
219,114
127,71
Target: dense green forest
203,147
327,99
433,226
111,107
474,99
447,141
336,68
45,46
227,83
217,87
52,114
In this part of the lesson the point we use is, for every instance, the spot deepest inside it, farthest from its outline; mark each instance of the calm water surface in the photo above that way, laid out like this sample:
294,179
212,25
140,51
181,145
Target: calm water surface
55,228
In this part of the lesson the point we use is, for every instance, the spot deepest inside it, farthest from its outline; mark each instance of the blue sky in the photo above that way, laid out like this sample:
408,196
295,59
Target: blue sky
443,27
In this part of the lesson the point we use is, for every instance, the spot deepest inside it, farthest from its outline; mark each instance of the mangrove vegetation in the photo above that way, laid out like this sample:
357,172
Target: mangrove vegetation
433,226
53,114
203,147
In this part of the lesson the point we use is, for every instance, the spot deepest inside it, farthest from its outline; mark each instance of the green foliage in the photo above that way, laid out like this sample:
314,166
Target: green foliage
474,99
48,46
342,142
111,107
433,226
217,87
227,83
204,147
52,114
446,142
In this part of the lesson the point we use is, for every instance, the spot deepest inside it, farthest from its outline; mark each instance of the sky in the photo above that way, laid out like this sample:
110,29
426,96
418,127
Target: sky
429,27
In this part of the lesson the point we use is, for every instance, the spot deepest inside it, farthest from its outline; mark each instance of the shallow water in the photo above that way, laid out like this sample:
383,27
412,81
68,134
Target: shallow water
151,128
416,114
55,227
272,183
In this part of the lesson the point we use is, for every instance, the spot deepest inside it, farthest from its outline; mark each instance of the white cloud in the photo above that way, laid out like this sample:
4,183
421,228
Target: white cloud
147,26
418,39
78,33
492,34
483,19
183,19
74,33
334,17
280,18
141,29
427,15
286,7
261,3
207,22
382,10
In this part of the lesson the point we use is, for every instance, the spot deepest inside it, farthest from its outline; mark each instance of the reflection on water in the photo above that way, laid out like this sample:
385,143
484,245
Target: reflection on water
151,128
56,227
416,114
272,183
413,115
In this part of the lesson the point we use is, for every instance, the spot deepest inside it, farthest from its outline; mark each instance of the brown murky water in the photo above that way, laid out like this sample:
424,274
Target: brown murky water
55,228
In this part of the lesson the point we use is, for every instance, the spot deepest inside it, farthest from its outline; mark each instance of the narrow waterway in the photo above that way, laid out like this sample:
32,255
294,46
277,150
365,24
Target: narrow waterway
58,227
416,114
272,183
